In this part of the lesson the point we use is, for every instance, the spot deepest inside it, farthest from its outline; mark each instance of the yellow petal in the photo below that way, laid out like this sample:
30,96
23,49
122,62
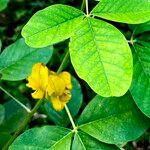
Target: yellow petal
50,88
38,94
32,83
57,104
67,79
39,77
34,76
55,85
43,76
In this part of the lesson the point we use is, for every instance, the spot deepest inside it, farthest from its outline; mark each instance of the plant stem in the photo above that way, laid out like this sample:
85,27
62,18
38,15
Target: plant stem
83,5
87,8
22,105
24,123
71,119
64,62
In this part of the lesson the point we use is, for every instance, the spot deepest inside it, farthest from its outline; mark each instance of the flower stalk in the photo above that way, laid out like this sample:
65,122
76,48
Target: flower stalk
66,107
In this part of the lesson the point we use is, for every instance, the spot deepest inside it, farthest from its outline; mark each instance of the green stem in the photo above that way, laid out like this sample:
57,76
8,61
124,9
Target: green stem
83,5
71,119
24,123
22,105
87,8
64,62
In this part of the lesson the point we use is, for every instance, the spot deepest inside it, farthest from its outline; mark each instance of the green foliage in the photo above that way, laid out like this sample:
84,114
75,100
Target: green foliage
57,138
0,45
47,138
19,66
100,55
3,4
61,118
83,141
49,25
5,137
140,88
2,113
110,124
96,58
140,28
14,115
131,11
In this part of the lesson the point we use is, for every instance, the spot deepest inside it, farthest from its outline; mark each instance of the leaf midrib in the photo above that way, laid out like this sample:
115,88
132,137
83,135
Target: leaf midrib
93,35
67,135
51,28
20,59
81,142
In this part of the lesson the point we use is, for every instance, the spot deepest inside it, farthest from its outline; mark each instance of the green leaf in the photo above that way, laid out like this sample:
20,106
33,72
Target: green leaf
51,25
2,113
140,88
113,120
83,141
17,59
140,28
61,118
101,56
0,45
3,4
144,44
14,115
4,138
131,11
44,138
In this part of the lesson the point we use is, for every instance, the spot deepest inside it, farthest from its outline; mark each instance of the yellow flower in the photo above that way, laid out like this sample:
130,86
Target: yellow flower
50,85
59,89
38,80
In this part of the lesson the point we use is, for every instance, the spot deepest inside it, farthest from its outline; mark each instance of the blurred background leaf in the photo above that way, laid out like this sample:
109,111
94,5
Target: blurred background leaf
19,66
2,113
14,115
3,4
